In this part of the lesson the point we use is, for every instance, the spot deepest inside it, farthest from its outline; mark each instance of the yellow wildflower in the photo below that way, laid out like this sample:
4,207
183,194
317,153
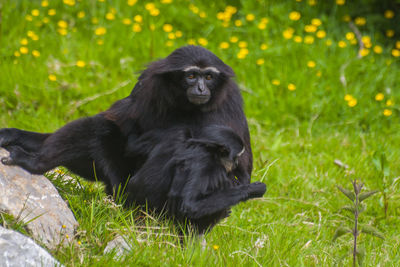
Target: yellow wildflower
387,112
95,20
178,34
35,12
110,16
215,247
166,1
100,31
328,42
390,33
389,14
138,18
45,3
308,39
352,102
150,6
155,12
191,42
263,46
378,49
360,21
233,39
224,45
202,14
294,15
312,2
52,77
51,12
398,44
202,41
231,9
260,61
350,36
24,41
136,27
100,42
276,82
395,52
238,23
298,39
346,18
62,31
262,26
127,21
311,64
36,53
171,36
310,28
69,2
17,54
379,97
23,50
28,17
62,24
321,34
348,97
316,22
81,14
342,44
131,2
340,2
250,17
243,52
291,87
389,103
80,63
242,44
364,52
167,28
288,33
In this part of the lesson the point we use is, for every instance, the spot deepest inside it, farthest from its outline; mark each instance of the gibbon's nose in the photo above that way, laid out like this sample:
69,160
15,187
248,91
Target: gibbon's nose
201,86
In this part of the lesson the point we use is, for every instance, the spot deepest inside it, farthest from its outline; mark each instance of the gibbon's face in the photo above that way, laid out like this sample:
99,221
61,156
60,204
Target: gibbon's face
200,83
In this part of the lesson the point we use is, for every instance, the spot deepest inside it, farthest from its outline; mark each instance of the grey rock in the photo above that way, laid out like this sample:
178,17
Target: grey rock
34,200
18,250
117,245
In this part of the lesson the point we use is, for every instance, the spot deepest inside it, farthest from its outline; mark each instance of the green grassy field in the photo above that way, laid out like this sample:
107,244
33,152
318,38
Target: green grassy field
320,81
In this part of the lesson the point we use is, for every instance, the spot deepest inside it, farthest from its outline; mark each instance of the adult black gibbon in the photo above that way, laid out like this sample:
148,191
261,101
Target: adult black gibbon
190,87
187,177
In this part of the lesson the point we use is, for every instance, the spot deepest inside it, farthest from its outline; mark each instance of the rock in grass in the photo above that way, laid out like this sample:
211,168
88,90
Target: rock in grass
19,250
34,200
118,245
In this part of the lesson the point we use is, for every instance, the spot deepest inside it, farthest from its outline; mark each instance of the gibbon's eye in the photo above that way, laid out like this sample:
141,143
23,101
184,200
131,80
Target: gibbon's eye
191,76
208,77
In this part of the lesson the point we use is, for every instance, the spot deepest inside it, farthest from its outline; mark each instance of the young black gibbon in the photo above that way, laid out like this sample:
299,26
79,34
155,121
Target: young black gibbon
188,177
190,87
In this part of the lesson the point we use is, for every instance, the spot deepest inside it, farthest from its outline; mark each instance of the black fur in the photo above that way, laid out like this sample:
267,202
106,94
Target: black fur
157,101
185,177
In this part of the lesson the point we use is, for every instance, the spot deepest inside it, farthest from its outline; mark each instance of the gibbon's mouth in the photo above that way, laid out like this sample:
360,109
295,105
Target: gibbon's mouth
198,99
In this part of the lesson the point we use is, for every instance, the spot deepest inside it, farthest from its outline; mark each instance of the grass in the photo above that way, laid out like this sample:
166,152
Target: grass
296,134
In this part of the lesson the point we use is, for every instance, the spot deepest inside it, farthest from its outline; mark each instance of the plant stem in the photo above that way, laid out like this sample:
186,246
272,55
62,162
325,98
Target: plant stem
355,232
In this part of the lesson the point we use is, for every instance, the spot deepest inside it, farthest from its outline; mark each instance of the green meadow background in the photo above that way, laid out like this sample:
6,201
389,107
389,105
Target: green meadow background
320,81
